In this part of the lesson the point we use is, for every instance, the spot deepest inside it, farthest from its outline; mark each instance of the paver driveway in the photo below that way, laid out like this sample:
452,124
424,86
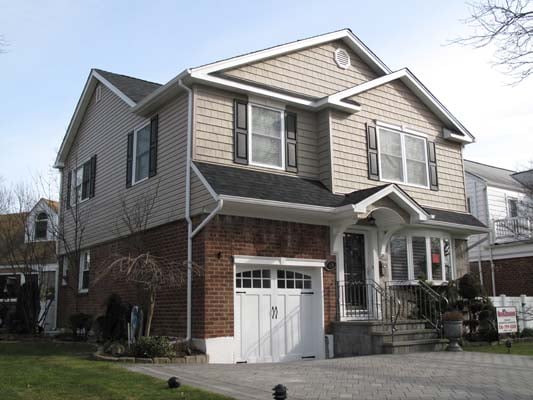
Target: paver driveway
413,376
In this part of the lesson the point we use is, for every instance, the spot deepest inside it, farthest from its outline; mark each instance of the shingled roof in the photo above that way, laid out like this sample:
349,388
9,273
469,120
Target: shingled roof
136,89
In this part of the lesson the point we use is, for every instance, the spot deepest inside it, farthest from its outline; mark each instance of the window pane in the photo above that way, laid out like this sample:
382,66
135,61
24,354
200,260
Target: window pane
447,260
142,155
266,122
266,150
398,246
390,143
416,173
419,258
391,168
436,262
415,154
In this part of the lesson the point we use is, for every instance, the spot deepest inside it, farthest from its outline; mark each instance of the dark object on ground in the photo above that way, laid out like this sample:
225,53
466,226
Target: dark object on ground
280,392
173,383
508,344
80,324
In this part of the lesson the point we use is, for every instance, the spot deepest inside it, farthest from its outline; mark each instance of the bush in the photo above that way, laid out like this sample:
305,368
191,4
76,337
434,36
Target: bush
153,346
469,287
113,325
80,324
526,332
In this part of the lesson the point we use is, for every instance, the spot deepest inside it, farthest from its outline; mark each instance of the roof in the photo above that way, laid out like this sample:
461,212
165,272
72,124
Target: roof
525,178
136,89
493,176
241,182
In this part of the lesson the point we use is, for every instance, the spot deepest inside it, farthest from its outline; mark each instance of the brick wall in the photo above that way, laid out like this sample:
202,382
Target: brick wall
226,236
513,276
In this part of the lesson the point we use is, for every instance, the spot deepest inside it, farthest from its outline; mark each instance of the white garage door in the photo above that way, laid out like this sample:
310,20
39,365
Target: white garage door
277,314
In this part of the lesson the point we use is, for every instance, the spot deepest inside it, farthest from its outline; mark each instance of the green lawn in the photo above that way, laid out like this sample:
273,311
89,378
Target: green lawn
54,371
522,349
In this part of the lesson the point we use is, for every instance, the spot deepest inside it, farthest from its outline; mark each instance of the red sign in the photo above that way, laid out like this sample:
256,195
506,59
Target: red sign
435,258
506,317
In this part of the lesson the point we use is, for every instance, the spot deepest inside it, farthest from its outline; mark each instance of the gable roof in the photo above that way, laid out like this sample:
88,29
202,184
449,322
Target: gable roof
245,183
127,88
493,176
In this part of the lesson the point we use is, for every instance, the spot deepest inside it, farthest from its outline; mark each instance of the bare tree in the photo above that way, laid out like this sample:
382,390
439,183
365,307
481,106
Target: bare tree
137,263
507,24
3,44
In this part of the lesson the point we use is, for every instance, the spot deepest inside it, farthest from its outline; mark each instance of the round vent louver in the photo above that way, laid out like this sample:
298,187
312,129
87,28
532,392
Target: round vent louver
342,58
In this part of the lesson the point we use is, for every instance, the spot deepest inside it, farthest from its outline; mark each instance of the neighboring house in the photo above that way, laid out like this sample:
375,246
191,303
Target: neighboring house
28,251
500,198
306,170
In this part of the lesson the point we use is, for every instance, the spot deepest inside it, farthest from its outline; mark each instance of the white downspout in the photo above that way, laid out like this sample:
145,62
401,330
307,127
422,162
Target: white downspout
188,210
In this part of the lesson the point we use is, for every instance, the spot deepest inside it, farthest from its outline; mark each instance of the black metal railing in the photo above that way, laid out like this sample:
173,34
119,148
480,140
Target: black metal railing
514,228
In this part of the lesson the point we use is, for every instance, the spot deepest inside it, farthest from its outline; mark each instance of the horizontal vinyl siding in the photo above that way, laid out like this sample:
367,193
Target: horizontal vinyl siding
201,199
213,132
394,103
498,201
475,189
104,132
311,72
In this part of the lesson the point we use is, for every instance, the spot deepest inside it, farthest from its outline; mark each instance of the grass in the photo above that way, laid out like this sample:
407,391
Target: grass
58,371
522,349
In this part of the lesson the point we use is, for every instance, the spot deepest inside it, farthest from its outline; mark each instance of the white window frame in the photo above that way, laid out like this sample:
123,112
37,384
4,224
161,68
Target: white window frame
402,131
73,192
134,161
46,237
82,269
250,136
427,234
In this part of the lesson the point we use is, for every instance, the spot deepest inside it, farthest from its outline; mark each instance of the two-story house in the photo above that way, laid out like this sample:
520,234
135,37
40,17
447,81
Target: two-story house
289,175
28,251
501,198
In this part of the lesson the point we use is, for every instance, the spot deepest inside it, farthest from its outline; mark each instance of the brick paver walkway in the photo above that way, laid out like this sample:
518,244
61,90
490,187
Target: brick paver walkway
441,375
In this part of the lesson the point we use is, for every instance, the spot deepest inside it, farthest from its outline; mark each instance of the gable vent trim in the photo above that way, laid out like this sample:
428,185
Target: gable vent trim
342,58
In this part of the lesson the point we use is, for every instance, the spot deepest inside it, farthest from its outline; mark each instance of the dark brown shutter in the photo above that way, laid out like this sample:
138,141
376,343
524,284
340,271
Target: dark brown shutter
372,150
129,160
69,184
432,163
240,131
154,129
92,179
86,180
291,155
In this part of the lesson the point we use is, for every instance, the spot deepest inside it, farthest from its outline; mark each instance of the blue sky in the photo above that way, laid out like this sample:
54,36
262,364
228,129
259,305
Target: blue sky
54,44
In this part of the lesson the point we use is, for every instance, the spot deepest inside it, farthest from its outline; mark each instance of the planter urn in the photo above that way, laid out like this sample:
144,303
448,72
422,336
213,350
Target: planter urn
453,330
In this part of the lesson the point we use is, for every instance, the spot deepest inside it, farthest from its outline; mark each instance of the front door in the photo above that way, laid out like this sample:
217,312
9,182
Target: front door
355,287
277,314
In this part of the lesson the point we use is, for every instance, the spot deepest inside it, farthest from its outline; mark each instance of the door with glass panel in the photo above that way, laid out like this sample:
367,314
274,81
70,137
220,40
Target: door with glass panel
354,285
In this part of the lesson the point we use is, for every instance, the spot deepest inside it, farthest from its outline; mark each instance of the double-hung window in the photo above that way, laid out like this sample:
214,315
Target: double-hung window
141,153
82,182
267,137
403,157
85,264
41,226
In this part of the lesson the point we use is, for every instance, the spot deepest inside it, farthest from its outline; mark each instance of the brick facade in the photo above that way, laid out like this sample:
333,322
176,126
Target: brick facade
512,276
213,249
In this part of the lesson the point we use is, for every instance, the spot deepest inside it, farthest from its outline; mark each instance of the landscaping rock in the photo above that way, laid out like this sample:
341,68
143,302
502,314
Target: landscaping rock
161,360
178,360
116,349
141,360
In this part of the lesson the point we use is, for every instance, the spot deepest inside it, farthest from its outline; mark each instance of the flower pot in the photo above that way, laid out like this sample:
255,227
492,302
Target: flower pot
453,330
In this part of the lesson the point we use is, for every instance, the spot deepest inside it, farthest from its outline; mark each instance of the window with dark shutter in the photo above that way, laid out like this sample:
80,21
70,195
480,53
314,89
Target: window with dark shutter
290,138
86,180
92,179
154,129
69,185
432,163
129,160
240,131
372,151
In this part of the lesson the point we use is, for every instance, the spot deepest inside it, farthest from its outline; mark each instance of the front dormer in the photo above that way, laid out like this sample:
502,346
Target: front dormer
41,222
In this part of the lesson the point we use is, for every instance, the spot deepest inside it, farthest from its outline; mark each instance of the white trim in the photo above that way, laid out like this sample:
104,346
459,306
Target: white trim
452,225
134,155
281,136
279,261
114,89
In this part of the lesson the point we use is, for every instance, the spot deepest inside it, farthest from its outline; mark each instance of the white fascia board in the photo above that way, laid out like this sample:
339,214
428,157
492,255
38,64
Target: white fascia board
281,204
278,261
386,191
421,91
467,228
349,38
79,111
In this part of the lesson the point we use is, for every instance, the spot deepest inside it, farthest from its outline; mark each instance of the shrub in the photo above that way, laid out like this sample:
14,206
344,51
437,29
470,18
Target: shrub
153,346
469,287
526,332
114,324
80,324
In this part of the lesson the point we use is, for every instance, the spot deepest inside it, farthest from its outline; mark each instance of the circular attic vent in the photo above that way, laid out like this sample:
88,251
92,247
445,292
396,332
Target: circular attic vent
342,58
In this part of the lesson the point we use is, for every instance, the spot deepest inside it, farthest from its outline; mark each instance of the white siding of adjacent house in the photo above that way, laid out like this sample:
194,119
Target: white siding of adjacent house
498,201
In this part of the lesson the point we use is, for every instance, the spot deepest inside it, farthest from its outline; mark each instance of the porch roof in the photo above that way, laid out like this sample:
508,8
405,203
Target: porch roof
252,184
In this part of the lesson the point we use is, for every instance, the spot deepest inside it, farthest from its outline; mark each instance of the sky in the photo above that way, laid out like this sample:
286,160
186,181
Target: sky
52,46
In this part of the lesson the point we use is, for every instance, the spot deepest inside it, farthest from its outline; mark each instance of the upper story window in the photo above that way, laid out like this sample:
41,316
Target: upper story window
85,264
81,182
41,226
512,208
403,157
141,162
141,153
267,138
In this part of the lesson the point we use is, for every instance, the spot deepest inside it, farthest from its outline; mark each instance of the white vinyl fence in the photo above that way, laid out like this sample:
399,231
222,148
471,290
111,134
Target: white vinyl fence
524,308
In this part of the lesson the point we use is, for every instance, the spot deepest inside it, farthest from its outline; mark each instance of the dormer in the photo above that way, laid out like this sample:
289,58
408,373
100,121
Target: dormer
41,223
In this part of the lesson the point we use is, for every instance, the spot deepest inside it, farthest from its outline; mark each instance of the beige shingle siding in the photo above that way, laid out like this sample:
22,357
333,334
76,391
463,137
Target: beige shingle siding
311,72
213,132
393,103
103,132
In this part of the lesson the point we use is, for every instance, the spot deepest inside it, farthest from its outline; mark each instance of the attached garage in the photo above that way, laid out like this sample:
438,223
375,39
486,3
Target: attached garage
278,309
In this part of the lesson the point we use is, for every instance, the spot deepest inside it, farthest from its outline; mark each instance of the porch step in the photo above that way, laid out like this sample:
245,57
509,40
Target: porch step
406,335
413,346
403,325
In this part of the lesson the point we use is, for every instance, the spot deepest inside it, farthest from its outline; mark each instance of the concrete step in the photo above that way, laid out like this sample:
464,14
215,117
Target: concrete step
402,325
407,335
413,346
